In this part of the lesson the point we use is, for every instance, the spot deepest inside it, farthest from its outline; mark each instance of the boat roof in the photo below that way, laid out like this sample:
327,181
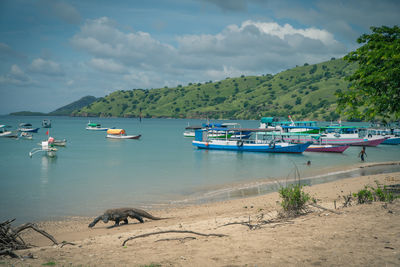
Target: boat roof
301,127
293,134
194,127
344,127
241,129
25,124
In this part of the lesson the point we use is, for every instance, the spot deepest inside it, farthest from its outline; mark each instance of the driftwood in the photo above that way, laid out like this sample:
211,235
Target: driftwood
322,208
171,231
10,239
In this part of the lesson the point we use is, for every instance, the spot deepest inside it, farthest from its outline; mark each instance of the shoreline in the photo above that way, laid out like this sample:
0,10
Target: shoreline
357,235
263,186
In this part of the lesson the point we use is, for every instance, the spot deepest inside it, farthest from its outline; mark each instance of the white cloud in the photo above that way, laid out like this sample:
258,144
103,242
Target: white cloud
107,65
102,38
46,67
16,77
250,48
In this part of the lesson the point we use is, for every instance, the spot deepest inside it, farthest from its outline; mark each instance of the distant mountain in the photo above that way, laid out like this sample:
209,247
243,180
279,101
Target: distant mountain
68,109
28,113
305,92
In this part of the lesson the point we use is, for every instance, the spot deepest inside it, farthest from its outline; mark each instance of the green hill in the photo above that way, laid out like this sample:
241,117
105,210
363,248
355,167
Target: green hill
305,92
68,109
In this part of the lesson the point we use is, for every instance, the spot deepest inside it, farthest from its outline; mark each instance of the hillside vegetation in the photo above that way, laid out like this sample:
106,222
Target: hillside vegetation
305,92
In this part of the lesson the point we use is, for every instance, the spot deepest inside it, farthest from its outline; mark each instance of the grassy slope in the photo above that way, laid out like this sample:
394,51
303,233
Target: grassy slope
305,92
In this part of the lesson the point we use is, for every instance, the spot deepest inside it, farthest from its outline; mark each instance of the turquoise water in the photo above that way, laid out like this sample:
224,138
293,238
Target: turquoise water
94,173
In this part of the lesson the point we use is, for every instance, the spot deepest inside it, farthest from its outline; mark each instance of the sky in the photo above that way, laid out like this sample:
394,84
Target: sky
54,52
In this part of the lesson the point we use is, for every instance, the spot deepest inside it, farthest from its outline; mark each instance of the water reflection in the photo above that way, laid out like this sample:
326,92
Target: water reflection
46,163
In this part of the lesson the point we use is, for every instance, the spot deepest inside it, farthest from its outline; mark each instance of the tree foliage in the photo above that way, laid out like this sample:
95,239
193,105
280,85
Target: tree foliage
375,86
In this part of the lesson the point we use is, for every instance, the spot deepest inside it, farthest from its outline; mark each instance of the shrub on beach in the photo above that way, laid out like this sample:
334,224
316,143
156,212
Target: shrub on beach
294,199
370,194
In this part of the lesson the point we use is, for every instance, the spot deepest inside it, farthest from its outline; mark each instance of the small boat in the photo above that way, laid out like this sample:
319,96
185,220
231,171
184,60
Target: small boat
46,123
62,142
27,127
95,127
256,143
46,147
327,148
26,135
5,133
120,134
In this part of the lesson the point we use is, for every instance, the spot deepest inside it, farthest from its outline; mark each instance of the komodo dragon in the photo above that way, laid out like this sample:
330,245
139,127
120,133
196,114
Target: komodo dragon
122,214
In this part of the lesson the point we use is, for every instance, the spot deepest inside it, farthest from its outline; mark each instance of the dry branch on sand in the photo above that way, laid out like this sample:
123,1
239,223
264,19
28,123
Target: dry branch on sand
171,231
10,239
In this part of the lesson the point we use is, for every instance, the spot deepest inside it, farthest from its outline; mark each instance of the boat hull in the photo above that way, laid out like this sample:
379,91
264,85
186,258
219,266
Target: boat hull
28,130
114,136
96,129
392,141
327,148
251,147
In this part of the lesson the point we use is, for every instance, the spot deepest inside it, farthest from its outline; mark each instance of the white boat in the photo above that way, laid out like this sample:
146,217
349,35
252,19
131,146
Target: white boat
5,133
95,127
62,142
44,147
26,135
120,134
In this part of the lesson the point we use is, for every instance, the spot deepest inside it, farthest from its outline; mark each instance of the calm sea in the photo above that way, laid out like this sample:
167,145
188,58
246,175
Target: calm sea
93,173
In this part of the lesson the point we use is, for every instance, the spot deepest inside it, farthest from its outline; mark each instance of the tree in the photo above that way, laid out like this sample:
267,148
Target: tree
375,86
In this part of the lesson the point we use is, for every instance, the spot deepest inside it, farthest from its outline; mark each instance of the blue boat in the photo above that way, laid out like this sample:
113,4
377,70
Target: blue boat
258,142
27,127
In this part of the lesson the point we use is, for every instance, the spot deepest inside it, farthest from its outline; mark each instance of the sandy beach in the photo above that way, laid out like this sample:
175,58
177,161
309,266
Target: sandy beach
358,235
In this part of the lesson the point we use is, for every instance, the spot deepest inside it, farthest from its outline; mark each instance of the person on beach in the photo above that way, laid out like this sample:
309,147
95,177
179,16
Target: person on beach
362,154
309,163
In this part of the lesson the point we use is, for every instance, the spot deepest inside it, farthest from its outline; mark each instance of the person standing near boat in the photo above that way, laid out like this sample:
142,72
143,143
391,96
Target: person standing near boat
362,154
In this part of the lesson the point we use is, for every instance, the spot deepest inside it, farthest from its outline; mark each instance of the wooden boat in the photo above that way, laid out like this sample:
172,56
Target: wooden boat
327,148
62,142
27,127
120,134
46,123
26,135
336,135
256,143
95,127
5,133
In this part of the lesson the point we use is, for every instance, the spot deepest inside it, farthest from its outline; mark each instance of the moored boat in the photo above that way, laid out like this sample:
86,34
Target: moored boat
46,123
327,148
5,133
254,144
120,134
95,127
27,127
46,147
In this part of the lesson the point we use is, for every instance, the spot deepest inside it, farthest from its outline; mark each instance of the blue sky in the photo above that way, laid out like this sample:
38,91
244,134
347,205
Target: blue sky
54,52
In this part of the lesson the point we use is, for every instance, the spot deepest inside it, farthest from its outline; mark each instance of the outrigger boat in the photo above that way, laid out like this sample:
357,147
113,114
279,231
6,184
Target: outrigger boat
95,127
27,127
120,134
46,147
256,142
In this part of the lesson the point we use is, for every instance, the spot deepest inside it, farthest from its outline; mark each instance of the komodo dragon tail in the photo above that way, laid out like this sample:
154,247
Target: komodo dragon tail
145,214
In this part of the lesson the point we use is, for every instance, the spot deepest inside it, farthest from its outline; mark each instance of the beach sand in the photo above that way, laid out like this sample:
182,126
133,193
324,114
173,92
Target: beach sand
358,235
